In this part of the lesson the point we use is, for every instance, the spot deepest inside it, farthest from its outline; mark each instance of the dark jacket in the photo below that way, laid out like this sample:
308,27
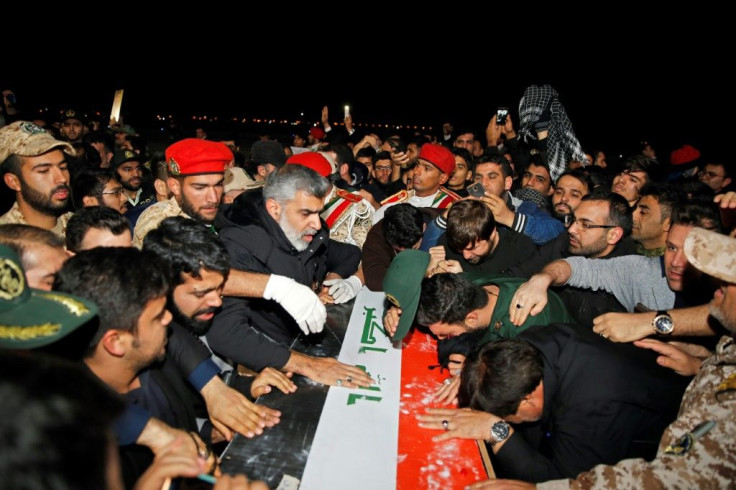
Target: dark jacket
378,253
603,402
583,304
513,248
248,330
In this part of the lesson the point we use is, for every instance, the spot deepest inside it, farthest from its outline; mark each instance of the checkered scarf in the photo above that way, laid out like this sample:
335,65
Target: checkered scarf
562,145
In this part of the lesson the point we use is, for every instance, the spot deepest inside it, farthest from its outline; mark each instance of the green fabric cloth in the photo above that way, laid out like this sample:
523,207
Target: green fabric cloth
500,326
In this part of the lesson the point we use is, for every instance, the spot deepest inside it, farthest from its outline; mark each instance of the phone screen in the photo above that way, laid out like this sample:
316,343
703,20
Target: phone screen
476,190
501,115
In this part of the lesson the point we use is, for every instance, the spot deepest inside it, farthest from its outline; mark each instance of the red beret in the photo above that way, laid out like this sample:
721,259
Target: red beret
193,156
683,155
439,156
318,133
312,160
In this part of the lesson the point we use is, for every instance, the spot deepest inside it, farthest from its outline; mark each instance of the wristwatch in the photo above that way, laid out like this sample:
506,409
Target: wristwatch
663,323
499,432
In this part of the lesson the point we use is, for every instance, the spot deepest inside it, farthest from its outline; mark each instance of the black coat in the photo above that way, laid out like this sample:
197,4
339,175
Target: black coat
603,402
255,331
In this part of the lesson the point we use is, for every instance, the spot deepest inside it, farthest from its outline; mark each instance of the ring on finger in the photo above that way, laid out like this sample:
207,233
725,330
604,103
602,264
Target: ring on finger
519,306
447,381
339,382
349,379
446,425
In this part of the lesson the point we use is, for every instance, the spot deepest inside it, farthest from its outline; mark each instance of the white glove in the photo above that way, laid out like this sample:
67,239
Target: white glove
299,301
343,290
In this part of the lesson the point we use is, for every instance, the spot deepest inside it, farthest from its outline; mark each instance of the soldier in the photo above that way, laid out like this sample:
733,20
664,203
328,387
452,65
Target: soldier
435,165
698,450
34,165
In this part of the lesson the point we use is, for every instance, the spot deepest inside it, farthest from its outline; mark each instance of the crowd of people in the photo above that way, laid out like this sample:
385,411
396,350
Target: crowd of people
585,311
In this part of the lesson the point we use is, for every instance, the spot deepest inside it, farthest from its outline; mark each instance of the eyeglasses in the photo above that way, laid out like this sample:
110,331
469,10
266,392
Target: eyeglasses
584,225
117,192
710,174
382,169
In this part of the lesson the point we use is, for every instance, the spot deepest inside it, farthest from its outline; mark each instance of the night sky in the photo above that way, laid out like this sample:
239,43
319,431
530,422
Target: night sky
614,101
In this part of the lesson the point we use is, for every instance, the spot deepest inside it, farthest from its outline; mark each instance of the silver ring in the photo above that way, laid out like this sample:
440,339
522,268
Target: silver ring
519,306
446,425
447,381
349,379
339,382
603,335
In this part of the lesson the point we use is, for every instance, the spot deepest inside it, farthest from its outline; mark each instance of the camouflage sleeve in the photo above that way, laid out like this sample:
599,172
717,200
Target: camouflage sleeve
148,220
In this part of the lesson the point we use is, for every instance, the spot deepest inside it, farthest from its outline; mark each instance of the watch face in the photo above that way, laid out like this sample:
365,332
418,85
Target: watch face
664,324
500,431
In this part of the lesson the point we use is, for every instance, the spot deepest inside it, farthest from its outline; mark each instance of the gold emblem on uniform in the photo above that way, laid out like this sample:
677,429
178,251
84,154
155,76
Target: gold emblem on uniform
130,154
12,282
174,167
393,300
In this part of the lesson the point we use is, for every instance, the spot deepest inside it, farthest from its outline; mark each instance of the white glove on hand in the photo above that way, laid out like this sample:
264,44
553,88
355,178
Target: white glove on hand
343,290
299,301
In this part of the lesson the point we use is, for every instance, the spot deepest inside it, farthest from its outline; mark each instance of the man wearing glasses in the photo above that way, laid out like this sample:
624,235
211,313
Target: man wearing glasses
715,175
99,187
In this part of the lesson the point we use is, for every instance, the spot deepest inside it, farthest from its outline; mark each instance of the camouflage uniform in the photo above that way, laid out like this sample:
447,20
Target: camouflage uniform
710,462
349,216
15,217
153,216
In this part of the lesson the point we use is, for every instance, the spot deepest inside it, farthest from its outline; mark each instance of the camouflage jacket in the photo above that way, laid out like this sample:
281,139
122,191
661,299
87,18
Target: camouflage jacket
705,462
15,217
153,216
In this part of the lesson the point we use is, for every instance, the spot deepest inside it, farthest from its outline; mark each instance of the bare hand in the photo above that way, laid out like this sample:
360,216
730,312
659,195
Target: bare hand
230,411
447,393
272,377
508,128
175,460
457,361
727,200
436,255
391,320
500,210
238,482
325,116
324,296
623,327
493,132
672,357
328,370
462,423
502,485
529,299
400,158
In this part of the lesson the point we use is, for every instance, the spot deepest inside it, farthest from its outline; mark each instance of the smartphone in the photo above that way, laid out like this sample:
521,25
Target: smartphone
347,110
396,145
501,114
476,190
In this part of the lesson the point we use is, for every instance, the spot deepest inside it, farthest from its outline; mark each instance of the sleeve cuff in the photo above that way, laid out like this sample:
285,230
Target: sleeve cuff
203,373
519,223
129,426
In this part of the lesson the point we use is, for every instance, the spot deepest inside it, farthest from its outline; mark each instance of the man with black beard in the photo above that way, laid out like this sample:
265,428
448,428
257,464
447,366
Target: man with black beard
127,165
34,165
570,189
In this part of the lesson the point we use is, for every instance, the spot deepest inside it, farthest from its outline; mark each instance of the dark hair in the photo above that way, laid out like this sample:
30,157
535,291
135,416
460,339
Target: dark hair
598,177
497,377
403,225
185,246
538,161
700,213
448,298
640,163
22,238
159,167
498,159
462,153
90,182
668,196
367,151
382,155
467,223
98,217
101,137
580,175
121,281
11,165
619,211
55,422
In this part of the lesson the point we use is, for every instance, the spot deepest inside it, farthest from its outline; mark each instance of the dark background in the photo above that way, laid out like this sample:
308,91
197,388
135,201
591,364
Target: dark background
667,89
